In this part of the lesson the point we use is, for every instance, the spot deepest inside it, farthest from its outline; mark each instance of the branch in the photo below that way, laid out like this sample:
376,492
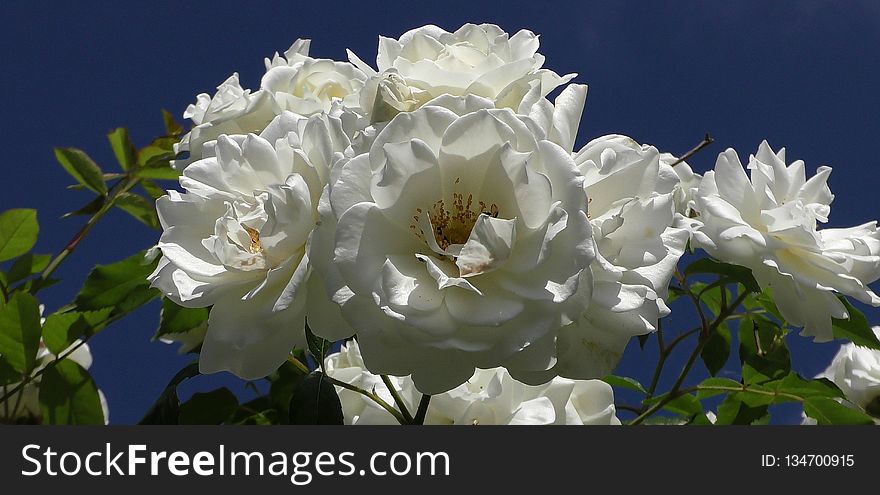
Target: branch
707,140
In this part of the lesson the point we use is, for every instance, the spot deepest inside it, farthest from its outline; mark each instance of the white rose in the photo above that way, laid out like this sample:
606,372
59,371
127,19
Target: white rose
480,60
639,237
306,86
856,371
237,239
489,397
232,110
768,224
462,241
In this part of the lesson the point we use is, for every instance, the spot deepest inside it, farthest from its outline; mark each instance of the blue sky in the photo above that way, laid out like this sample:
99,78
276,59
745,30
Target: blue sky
803,75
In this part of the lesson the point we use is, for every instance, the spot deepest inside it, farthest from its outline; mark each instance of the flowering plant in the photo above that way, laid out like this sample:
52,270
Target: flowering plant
420,241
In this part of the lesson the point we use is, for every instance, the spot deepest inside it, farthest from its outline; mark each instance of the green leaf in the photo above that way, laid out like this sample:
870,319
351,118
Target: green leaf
122,285
27,265
152,189
82,168
733,411
123,148
177,319
318,347
715,295
830,412
61,330
209,408
735,273
68,396
624,382
166,409
89,208
140,208
856,328
18,232
315,402
283,383
8,375
172,128
665,421
762,350
764,301
685,405
20,332
717,349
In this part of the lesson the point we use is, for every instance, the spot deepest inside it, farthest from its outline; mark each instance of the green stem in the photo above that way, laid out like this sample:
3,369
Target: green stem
123,186
51,364
372,396
419,419
397,399
676,392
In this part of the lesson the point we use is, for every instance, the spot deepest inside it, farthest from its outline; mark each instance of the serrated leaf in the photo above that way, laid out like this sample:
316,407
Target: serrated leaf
716,352
209,408
89,208
856,328
20,332
123,148
82,168
27,265
830,412
318,347
166,409
735,273
177,319
172,128
122,285
18,232
140,208
624,382
315,402
68,396
61,330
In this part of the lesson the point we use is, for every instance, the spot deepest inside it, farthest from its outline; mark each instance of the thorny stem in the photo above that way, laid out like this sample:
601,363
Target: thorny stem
707,140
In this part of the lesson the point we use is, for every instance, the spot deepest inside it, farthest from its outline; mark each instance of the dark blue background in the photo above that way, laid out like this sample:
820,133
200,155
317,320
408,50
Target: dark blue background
804,75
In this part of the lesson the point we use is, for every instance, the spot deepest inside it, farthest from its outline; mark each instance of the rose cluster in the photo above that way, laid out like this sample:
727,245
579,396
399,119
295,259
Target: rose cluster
435,208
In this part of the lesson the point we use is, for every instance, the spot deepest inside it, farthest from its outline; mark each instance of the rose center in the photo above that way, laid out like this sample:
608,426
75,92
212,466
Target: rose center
453,223
255,247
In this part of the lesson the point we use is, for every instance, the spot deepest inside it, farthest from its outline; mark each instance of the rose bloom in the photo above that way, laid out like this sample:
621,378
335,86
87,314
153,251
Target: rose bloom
459,240
480,60
237,238
768,223
640,236
856,371
489,397
294,82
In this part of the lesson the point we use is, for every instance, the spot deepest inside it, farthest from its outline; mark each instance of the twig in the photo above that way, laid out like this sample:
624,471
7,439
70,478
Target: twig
707,140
